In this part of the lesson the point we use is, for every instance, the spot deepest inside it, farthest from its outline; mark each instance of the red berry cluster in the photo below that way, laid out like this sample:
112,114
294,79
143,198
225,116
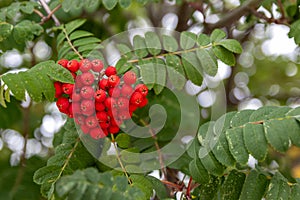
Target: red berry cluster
101,103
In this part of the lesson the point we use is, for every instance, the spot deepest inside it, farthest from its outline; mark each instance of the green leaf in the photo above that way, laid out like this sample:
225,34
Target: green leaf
32,85
73,25
255,141
294,31
123,66
2,101
109,4
203,39
207,62
175,71
187,40
254,186
80,34
212,165
224,55
217,35
295,192
153,43
158,186
124,3
139,46
236,144
198,171
278,188
90,47
66,5
56,72
143,184
123,140
231,45
169,43
232,186
160,76
86,41
12,10
192,67
275,133
125,51
5,30
46,174
147,73
15,85
241,118
209,190
27,7
261,114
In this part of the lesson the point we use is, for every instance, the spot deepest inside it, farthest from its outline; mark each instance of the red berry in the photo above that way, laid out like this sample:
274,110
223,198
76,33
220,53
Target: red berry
114,92
73,66
112,113
110,103
110,70
113,129
76,97
132,108
116,121
74,75
87,107
142,88
129,77
97,65
87,92
85,129
67,88
70,111
99,106
97,133
85,65
113,80
103,84
87,78
58,89
136,98
102,116
76,108
104,125
79,119
126,90
100,95
91,121
143,103
63,104
63,62
124,114
123,103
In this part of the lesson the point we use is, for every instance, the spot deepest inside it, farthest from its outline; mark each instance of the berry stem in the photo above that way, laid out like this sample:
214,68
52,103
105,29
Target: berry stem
119,159
70,43
160,156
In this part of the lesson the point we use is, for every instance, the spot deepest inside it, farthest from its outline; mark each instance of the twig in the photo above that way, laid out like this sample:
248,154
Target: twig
160,156
38,13
44,19
188,190
119,159
71,45
48,10
281,9
261,15
172,185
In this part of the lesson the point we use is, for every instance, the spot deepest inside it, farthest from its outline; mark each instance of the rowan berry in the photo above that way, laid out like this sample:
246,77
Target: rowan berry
110,70
100,95
114,92
123,103
143,103
76,97
113,129
85,65
136,98
58,89
67,88
110,103
103,84
102,116
91,122
97,65
63,62
63,104
113,80
142,88
85,129
126,90
87,107
87,78
73,66
124,114
99,106
104,125
87,92
129,77
97,133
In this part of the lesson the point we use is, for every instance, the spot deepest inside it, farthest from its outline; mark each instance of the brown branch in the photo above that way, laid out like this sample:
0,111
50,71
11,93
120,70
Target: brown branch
49,12
44,19
38,13
281,9
262,16
233,16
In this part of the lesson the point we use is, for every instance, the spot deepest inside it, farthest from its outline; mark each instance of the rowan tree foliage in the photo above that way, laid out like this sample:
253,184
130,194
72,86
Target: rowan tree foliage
187,71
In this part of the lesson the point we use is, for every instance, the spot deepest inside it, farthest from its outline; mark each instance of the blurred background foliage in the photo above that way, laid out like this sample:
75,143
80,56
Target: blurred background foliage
267,72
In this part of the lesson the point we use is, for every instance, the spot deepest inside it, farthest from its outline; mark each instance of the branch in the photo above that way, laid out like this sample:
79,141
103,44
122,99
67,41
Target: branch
49,12
233,16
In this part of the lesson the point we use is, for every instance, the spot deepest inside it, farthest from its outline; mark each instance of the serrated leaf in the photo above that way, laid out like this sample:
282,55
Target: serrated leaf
79,34
236,144
125,51
32,86
73,25
124,3
275,133
241,118
254,186
255,141
294,31
198,172
187,40
224,55
231,45
203,39
46,174
15,85
209,66
217,35
278,188
139,46
169,43
5,30
232,186
90,47
58,73
261,114
86,41
153,43
192,68
109,4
